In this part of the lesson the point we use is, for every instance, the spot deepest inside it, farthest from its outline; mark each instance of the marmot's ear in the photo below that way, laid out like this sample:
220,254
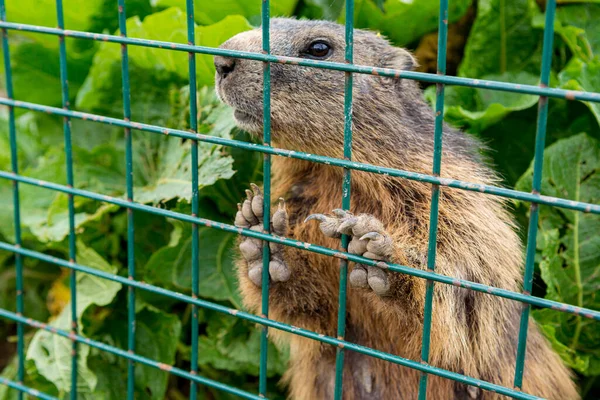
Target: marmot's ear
398,58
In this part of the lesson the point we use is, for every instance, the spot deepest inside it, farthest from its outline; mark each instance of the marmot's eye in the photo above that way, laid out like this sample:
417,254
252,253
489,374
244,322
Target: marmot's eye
318,49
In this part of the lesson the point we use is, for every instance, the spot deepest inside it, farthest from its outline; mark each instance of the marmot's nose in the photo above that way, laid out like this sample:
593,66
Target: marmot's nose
224,65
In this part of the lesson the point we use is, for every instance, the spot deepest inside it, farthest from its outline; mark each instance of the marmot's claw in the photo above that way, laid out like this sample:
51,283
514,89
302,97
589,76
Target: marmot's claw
318,217
280,219
338,212
370,235
250,216
347,225
257,201
240,221
368,239
328,224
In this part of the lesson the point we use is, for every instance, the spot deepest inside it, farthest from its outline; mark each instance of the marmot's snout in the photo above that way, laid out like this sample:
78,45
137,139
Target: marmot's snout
224,66
238,82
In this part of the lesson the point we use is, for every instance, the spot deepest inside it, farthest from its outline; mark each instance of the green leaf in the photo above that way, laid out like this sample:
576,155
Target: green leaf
156,337
209,12
34,57
581,21
162,167
569,243
403,22
579,75
38,277
166,164
477,109
510,140
154,66
227,193
233,345
172,264
52,353
502,39
577,26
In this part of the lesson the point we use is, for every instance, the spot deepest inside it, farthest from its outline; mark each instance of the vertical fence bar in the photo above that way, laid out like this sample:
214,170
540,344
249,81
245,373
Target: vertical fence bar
129,183
346,186
435,191
195,245
540,140
64,84
266,45
17,209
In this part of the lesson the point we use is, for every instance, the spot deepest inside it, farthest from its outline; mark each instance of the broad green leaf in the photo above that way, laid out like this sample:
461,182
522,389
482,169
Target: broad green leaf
227,193
156,337
44,212
52,353
403,22
172,264
208,12
569,245
162,167
511,140
34,57
37,278
234,345
577,27
579,75
502,39
165,168
477,109
582,19
152,66
36,73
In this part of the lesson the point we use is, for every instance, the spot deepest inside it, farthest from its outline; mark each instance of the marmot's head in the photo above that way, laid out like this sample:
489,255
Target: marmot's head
307,104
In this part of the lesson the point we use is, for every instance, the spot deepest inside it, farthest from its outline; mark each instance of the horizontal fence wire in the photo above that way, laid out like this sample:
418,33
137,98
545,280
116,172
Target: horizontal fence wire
360,69
453,183
126,354
440,79
25,389
462,283
248,317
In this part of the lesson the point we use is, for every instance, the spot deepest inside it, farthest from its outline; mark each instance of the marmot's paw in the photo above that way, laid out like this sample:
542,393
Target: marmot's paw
368,239
250,216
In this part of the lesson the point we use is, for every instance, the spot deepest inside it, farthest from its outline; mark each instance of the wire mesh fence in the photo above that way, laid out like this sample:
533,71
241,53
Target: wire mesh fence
349,68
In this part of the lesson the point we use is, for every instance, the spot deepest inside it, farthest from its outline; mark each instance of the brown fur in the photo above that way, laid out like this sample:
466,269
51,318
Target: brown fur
472,333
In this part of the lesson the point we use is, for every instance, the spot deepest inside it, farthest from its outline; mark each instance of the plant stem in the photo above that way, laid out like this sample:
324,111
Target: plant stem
576,265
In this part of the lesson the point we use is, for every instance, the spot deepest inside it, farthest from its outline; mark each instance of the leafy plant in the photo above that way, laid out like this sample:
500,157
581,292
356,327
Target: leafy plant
504,43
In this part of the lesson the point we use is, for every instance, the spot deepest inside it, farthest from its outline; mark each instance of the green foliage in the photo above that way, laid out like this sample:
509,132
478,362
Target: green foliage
403,22
569,243
504,44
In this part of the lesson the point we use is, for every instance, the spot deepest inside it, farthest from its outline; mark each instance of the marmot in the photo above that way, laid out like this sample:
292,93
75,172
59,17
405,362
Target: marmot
472,333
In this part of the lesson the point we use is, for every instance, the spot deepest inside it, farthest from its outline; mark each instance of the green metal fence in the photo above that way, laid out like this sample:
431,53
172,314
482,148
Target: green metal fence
440,79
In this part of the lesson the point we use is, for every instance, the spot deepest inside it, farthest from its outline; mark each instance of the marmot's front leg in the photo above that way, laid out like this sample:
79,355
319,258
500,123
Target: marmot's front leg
250,216
368,239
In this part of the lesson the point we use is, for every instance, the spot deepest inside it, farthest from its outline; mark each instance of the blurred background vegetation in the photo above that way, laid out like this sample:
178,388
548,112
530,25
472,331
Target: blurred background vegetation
488,39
